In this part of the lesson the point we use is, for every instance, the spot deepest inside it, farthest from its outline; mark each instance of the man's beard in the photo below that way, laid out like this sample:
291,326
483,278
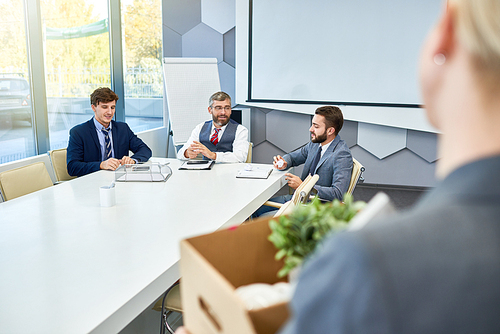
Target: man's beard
220,123
319,138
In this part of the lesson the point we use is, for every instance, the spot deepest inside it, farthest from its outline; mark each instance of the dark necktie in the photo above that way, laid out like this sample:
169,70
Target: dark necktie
107,142
315,161
215,137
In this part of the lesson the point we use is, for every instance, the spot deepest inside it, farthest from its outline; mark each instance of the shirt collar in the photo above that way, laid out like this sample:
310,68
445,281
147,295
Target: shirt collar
221,129
99,126
325,147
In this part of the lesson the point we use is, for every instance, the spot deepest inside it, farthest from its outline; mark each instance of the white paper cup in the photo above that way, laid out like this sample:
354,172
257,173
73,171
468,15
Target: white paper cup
107,196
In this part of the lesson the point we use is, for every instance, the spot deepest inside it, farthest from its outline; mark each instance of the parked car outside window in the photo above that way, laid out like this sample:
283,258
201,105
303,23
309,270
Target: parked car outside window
15,102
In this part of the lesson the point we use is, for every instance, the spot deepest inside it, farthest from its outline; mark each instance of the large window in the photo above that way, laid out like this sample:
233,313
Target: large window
16,131
77,59
142,58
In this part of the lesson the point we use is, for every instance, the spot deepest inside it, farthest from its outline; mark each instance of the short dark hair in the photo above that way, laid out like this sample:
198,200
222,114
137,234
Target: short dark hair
102,95
219,96
333,117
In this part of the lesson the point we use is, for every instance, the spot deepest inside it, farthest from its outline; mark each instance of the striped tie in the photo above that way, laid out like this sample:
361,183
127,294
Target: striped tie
107,153
215,137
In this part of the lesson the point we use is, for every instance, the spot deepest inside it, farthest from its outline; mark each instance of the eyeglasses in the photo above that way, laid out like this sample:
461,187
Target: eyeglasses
219,108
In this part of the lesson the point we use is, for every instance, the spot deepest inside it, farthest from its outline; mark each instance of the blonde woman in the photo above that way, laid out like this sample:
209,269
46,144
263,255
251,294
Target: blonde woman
435,269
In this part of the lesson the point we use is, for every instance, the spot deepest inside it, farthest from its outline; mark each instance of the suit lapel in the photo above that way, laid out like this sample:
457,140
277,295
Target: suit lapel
114,131
328,152
310,158
93,135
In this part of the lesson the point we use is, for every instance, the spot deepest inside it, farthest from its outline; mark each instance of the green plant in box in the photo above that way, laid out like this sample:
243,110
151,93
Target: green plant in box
298,234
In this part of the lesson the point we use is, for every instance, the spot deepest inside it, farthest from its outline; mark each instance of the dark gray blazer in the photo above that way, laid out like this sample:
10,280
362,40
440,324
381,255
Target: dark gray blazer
334,168
434,269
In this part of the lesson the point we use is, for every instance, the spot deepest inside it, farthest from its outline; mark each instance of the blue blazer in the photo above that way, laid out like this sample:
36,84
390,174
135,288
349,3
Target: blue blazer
84,152
334,168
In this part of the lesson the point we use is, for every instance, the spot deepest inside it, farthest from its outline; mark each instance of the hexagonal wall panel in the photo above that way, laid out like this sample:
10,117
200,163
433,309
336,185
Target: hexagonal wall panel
349,133
264,152
226,77
172,43
424,144
402,168
381,141
181,15
202,41
219,14
287,130
230,47
257,126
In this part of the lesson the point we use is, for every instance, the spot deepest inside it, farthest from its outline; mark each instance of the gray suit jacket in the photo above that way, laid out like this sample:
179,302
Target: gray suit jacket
334,168
434,269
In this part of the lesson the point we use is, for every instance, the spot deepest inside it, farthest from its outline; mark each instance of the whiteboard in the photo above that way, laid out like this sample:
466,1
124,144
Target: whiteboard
189,83
356,52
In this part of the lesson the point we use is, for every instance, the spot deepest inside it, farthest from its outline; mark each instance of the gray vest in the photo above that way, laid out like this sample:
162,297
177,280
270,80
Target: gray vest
225,143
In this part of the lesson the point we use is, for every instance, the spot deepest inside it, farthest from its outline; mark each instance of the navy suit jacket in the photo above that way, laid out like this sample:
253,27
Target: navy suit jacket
84,151
334,168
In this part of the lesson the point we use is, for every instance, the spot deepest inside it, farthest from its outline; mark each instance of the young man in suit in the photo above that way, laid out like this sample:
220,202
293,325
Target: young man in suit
220,139
101,142
326,155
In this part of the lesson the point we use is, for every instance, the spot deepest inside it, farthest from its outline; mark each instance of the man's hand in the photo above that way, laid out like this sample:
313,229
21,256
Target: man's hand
197,147
110,164
279,163
293,180
127,160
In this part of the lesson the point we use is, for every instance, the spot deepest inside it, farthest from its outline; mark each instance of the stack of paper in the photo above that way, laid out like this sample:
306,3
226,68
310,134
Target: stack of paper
254,172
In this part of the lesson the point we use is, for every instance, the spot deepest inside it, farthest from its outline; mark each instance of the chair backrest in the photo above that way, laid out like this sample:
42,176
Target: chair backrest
357,172
249,156
58,158
301,195
24,180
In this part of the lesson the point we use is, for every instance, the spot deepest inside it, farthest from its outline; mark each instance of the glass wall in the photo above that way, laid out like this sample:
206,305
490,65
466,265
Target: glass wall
17,139
77,61
142,58
76,56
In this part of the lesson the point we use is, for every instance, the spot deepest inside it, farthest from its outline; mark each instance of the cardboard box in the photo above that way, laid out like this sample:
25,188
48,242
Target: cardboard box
212,266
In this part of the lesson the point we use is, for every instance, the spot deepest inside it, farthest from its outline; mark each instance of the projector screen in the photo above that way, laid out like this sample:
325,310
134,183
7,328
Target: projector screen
357,52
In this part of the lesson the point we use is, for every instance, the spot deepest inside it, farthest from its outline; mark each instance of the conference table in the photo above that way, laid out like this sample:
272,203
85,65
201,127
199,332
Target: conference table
68,265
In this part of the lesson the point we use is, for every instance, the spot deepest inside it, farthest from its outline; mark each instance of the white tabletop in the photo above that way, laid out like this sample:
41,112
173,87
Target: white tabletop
68,265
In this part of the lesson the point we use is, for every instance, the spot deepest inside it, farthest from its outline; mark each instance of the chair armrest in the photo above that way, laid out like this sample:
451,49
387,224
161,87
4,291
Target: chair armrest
273,204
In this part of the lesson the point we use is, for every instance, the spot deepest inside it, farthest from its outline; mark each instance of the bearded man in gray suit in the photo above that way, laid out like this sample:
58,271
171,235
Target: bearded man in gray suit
326,155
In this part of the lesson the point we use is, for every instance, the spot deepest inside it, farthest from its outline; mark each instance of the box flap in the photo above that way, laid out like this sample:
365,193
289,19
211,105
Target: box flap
243,255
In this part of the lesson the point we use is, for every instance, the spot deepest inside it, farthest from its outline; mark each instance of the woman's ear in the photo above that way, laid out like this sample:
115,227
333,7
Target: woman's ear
445,35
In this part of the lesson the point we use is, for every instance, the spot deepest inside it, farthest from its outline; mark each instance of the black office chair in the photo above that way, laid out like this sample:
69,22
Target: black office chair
170,308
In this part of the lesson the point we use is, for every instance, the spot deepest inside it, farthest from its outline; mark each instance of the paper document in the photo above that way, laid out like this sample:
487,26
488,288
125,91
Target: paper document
252,172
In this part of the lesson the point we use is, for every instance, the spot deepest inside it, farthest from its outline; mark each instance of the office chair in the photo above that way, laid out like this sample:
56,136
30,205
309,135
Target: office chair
24,180
58,158
170,303
356,176
300,196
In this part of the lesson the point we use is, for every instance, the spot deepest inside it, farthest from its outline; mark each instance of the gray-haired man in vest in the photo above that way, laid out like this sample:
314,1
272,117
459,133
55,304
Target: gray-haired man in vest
220,139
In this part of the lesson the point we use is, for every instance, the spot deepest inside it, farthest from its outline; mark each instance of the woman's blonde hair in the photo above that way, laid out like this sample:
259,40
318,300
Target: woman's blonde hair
479,30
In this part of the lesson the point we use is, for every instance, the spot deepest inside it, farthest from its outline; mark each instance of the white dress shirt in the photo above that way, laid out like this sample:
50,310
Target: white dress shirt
240,144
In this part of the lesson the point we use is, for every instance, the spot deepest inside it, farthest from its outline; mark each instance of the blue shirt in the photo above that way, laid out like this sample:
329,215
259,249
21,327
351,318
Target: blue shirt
102,141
